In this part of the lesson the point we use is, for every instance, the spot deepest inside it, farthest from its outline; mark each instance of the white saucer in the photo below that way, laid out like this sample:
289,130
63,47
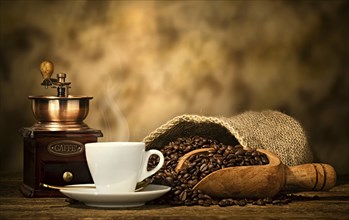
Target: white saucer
90,196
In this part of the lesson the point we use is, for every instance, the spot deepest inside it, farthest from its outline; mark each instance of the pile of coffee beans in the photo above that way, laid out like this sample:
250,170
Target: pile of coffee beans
201,165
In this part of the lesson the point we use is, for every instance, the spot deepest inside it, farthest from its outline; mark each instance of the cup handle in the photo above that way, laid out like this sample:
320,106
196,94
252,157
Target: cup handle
145,173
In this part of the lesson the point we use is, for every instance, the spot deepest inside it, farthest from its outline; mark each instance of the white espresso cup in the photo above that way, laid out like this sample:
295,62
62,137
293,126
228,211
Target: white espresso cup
117,167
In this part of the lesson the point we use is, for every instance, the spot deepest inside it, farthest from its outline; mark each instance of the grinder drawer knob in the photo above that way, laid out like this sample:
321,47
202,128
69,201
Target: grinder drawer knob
67,176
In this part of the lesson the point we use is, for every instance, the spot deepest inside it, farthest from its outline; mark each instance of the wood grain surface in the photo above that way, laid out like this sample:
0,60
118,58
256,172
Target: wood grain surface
333,204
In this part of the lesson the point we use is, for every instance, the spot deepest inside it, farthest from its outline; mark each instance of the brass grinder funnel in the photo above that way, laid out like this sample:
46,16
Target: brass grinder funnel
60,112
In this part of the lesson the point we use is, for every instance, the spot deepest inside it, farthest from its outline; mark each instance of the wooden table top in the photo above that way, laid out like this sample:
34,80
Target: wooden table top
333,204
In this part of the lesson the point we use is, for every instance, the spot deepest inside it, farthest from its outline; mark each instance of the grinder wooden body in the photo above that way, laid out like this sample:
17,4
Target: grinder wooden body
267,180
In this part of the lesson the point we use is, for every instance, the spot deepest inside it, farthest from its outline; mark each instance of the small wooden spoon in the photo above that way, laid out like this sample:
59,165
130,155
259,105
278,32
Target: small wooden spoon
259,181
140,186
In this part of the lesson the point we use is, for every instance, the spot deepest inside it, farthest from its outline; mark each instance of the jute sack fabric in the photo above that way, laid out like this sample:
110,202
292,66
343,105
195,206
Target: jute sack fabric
271,130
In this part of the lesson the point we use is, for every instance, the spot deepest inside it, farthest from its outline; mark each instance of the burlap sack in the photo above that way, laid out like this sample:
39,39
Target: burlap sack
271,130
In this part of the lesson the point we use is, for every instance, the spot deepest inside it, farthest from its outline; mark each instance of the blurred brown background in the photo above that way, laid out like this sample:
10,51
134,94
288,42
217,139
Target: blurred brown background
145,62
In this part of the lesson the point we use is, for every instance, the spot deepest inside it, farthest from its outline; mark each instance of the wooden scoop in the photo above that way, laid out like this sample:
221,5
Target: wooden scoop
260,181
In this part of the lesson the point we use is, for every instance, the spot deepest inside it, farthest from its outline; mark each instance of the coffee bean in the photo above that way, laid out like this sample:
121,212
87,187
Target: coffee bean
71,201
204,196
268,200
203,168
242,202
183,196
169,179
201,202
264,159
285,201
276,202
259,202
224,203
187,149
177,192
239,152
230,156
255,153
214,202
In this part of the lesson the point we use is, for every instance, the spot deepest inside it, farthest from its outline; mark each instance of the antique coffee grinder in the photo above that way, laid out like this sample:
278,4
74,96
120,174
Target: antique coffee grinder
54,145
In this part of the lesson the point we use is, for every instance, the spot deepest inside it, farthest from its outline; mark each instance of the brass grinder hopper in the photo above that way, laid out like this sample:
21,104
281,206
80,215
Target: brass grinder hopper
60,112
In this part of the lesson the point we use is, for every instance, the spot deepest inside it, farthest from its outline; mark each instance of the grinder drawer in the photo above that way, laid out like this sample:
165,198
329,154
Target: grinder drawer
58,173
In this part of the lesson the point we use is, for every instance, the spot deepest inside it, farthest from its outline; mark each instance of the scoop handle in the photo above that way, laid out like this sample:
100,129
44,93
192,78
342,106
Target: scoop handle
309,177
